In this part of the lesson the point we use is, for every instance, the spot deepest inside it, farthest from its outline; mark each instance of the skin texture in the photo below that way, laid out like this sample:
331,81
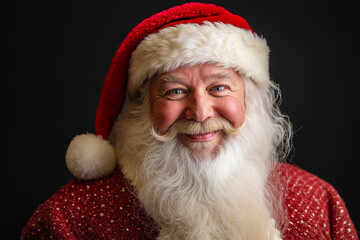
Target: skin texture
198,93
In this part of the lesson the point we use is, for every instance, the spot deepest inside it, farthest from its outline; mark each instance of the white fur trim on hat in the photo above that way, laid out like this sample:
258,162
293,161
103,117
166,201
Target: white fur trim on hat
191,44
90,157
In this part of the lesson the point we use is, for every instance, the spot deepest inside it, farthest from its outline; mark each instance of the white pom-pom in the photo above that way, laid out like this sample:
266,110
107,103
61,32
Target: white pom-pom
90,157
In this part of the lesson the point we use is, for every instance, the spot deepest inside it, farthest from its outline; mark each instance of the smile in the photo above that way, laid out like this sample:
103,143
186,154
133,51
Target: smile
201,136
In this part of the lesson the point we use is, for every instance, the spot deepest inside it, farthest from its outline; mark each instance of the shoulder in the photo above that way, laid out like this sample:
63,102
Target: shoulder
300,180
314,207
102,208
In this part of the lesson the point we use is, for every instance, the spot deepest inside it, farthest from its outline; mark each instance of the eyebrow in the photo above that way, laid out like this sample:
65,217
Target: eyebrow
171,78
166,78
219,75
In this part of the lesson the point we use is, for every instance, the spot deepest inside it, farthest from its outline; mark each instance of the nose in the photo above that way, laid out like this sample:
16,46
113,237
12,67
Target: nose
199,107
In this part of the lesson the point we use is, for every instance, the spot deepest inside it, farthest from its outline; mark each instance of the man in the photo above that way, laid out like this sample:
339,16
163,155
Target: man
199,145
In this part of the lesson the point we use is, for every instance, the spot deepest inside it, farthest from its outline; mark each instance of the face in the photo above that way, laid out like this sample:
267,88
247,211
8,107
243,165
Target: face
198,93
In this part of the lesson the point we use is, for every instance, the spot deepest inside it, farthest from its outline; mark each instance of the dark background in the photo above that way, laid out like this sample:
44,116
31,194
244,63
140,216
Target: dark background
55,56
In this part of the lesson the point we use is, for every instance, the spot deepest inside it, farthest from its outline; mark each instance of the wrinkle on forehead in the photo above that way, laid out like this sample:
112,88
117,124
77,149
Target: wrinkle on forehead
209,73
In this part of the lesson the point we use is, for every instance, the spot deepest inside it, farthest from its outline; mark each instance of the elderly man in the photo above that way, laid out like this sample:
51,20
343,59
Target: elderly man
199,145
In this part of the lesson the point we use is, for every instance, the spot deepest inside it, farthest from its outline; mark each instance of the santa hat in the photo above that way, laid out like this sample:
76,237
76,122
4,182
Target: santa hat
189,34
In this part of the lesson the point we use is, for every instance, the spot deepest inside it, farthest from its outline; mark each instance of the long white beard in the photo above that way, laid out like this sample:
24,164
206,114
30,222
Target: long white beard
223,197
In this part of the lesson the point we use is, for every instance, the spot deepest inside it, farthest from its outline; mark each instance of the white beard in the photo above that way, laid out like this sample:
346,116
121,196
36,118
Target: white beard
222,197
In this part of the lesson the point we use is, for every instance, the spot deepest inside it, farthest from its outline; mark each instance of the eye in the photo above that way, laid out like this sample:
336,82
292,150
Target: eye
175,94
174,91
219,88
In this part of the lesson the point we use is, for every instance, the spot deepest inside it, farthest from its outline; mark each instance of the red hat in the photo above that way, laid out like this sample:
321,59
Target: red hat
189,34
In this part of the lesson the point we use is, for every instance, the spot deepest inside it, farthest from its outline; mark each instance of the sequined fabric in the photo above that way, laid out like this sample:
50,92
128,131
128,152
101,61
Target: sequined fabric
108,209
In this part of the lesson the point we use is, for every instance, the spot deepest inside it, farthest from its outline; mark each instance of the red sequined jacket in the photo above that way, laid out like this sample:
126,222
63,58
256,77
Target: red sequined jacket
108,209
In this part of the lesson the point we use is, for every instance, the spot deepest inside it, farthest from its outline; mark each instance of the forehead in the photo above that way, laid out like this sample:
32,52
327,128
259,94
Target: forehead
206,72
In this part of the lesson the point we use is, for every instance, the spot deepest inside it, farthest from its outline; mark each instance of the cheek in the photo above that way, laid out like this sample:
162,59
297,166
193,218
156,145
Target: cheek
164,115
233,110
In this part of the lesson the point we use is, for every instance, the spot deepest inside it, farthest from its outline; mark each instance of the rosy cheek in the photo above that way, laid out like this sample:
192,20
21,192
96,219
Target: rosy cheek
233,111
164,116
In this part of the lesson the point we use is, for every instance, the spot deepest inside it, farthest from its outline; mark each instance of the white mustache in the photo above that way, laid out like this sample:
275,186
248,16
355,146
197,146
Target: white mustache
193,128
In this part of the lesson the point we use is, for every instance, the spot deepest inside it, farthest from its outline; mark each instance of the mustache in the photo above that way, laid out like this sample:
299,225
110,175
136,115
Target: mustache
192,128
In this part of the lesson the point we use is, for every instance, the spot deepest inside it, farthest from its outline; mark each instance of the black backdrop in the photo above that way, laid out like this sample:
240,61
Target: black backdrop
55,55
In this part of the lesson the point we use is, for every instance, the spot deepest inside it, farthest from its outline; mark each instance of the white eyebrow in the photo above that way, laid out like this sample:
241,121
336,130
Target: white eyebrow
166,79
219,75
